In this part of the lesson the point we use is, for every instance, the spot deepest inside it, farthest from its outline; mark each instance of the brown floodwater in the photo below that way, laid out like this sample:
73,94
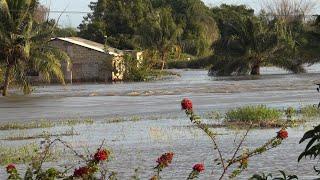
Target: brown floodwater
138,144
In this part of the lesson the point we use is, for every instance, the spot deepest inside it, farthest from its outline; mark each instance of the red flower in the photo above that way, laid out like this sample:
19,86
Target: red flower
81,172
198,167
10,168
282,134
186,104
165,159
101,155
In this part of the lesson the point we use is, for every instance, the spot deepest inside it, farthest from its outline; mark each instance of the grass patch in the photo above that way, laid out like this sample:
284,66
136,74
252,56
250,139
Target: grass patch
44,134
259,116
135,118
116,119
253,114
22,154
43,124
213,115
310,111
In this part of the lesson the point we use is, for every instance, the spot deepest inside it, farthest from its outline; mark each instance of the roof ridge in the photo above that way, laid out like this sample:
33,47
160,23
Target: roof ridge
91,45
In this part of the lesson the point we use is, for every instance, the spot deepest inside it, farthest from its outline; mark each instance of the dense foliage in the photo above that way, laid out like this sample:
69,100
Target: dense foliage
229,39
233,38
168,27
248,42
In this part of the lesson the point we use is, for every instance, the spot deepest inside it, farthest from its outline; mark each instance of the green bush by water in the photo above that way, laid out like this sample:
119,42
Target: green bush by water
253,113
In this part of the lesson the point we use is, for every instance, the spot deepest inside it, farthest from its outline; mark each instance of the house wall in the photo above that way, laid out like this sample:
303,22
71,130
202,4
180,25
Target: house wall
87,64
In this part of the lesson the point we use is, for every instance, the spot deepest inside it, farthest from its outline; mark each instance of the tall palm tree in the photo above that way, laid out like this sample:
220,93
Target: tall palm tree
249,43
25,45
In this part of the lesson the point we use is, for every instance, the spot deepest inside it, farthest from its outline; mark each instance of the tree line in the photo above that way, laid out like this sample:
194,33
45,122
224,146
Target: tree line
232,38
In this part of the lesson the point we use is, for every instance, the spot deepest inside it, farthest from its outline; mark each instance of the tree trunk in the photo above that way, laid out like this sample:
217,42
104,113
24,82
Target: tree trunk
255,70
162,66
6,81
163,60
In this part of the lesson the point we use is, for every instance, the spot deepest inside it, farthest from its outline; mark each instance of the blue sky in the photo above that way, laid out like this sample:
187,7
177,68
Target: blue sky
74,20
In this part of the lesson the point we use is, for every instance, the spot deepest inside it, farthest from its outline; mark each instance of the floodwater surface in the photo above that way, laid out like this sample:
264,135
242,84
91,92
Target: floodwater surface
137,144
208,93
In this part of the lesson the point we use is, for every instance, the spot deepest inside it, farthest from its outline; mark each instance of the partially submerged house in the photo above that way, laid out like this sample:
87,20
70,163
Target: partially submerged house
91,61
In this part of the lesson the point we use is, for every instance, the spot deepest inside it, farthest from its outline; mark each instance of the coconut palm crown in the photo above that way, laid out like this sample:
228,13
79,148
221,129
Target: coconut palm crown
25,47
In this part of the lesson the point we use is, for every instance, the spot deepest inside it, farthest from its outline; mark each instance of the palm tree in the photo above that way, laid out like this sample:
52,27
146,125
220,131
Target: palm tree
249,43
25,45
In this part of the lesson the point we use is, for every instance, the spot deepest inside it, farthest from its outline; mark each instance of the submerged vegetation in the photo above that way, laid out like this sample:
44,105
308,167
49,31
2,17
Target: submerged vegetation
310,111
232,164
23,154
42,135
260,115
43,124
94,166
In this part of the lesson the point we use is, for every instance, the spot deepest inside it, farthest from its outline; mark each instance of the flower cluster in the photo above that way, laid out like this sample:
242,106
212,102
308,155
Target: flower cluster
198,167
165,159
12,171
11,168
196,170
101,155
81,172
91,167
186,104
282,134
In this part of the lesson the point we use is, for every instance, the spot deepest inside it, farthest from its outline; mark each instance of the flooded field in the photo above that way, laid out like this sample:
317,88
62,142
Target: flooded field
158,125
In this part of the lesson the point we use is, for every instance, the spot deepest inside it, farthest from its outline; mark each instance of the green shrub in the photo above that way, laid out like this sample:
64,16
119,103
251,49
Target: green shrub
310,111
253,113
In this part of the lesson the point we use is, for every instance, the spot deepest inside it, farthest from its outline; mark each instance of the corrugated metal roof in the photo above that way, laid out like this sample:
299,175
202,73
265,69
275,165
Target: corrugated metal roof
91,45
